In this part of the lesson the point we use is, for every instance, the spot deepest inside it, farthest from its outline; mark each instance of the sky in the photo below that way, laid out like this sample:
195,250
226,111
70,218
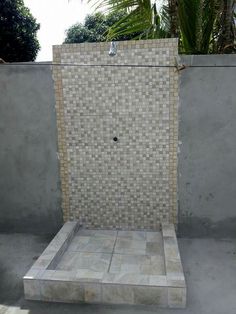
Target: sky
55,16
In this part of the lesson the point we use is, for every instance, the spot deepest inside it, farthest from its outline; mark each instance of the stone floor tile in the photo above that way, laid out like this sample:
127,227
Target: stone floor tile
92,244
176,297
34,273
154,265
134,235
159,280
63,275
97,233
174,267
117,294
151,296
117,267
139,264
154,248
127,246
154,236
86,275
48,274
78,243
62,290
32,289
92,292
168,230
175,280
83,260
131,278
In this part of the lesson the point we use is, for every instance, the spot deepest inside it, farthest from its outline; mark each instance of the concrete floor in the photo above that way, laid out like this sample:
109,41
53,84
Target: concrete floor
209,265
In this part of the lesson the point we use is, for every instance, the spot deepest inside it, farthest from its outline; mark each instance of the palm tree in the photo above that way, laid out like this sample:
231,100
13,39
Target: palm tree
226,30
203,26
142,18
196,22
173,16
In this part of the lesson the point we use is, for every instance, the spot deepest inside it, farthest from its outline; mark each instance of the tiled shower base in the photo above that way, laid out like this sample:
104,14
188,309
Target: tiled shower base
104,266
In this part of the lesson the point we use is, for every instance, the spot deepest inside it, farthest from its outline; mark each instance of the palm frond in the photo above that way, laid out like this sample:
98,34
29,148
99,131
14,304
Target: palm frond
188,12
142,18
197,19
209,14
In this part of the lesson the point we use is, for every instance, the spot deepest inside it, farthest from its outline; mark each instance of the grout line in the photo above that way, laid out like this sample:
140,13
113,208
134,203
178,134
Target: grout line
115,253
164,254
112,253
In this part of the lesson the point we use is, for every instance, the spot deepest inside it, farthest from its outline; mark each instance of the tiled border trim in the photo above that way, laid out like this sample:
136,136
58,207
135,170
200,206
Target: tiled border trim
173,141
62,151
44,283
121,45
49,258
174,270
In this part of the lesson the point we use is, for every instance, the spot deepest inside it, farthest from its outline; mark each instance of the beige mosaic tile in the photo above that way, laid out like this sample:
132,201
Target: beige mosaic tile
130,183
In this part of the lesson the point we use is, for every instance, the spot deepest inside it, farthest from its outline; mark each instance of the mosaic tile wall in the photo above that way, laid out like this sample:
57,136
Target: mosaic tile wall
129,183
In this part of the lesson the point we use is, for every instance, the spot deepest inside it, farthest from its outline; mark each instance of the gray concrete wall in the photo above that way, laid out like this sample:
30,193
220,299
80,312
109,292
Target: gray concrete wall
207,159
29,180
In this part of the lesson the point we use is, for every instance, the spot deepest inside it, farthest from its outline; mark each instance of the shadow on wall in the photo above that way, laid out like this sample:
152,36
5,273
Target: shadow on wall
196,227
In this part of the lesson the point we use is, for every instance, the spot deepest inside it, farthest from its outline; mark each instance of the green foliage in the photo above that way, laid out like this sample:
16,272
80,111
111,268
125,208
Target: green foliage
203,26
196,22
206,26
18,29
141,20
95,28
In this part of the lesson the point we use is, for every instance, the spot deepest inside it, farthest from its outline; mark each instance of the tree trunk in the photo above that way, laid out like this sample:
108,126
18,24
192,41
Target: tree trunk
227,34
173,9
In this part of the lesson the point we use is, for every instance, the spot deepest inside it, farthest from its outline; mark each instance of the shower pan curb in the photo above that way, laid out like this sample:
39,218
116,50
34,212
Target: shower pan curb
45,283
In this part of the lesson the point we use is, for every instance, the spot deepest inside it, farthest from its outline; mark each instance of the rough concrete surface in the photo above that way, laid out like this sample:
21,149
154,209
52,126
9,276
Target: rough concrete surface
209,265
29,181
207,128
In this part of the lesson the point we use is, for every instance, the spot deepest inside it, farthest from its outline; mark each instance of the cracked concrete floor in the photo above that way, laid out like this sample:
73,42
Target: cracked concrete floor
209,265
